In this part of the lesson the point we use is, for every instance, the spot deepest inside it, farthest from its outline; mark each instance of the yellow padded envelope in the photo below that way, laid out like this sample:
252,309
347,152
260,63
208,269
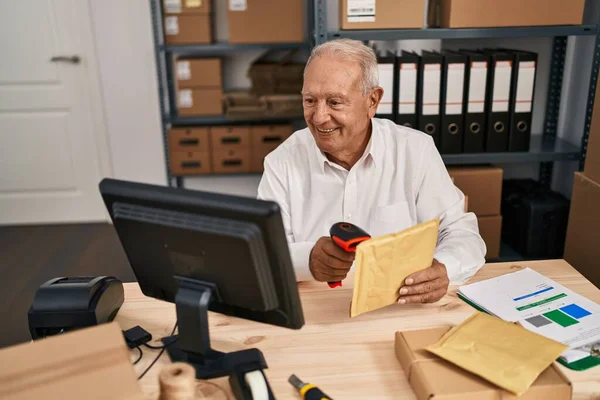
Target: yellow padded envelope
383,263
501,352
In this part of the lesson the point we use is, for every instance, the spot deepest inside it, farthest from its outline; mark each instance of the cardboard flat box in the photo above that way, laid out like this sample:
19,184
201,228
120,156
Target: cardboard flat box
198,73
190,162
90,363
483,185
434,378
189,139
382,14
490,229
188,29
264,140
233,160
229,137
494,13
582,249
200,101
266,21
186,6
592,158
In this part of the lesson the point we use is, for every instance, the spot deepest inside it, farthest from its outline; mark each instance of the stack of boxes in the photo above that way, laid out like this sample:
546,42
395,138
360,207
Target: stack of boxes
483,186
187,22
199,86
582,248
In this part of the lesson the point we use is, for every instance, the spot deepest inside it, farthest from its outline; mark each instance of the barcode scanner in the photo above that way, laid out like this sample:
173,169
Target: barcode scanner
346,236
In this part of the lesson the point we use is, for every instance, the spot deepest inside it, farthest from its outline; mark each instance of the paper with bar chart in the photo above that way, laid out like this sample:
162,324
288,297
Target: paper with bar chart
538,304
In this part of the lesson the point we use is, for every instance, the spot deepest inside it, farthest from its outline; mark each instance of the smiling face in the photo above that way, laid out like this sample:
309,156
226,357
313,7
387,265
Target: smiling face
335,109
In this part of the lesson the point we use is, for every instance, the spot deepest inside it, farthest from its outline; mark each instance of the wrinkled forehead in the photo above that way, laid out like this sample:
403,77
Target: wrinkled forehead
331,74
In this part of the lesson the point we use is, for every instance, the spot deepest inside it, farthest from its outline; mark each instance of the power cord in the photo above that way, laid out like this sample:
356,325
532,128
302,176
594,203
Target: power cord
162,350
140,356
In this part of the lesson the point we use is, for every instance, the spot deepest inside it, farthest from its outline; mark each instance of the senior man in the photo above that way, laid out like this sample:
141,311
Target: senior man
348,166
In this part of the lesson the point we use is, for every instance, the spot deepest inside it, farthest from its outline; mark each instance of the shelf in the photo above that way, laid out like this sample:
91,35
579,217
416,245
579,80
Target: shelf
540,151
467,33
223,120
220,48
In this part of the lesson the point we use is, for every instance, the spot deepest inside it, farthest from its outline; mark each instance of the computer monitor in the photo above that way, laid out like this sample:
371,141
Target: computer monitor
206,251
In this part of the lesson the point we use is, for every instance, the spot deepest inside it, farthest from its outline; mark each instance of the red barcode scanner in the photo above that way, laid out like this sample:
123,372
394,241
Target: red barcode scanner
347,236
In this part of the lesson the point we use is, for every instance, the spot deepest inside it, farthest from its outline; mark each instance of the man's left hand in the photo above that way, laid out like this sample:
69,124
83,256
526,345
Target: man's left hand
427,286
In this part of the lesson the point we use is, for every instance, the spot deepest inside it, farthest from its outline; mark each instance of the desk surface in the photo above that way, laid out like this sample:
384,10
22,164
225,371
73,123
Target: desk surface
347,358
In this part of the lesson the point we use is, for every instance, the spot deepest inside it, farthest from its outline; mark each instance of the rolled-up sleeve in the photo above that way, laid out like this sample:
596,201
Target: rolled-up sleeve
273,186
459,247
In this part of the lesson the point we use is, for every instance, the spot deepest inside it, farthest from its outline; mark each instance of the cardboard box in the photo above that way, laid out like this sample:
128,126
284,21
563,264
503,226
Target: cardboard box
434,378
582,250
490,229
266,21
90,363
483,185
231,161
382,14
592,158
264,140
229,137
190,162
198,73
188,29
186,6
200,101
189,139
494,13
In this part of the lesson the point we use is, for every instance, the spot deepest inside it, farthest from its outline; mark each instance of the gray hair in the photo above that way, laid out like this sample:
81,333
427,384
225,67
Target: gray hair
352,50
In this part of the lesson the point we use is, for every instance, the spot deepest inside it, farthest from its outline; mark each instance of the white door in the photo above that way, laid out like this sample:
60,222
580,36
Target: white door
53,149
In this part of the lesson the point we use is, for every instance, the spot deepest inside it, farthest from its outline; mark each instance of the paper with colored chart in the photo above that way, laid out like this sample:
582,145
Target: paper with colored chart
540,305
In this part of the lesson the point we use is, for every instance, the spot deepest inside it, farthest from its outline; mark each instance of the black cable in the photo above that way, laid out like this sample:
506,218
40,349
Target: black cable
154,347
140,356
159,354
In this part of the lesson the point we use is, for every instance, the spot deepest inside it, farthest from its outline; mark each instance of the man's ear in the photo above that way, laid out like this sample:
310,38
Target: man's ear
374,100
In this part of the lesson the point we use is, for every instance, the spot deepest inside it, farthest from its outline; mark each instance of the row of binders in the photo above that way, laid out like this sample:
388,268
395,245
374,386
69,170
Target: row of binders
468,101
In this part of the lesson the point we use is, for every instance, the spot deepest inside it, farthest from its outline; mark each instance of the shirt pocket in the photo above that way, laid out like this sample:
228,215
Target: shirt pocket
390,219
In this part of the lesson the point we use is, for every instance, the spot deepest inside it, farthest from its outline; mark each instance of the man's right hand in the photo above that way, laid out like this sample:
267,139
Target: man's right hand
328,262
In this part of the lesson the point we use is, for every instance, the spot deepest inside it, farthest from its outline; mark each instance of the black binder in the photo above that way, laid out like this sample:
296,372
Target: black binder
499,92
407,65
388,76
476,79
428,110
452,99
522,96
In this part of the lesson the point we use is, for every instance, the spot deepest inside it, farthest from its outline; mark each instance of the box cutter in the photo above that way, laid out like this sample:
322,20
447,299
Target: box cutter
346,236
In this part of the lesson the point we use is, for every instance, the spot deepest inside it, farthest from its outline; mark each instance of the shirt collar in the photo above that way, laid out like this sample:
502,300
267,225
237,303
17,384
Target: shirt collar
373,148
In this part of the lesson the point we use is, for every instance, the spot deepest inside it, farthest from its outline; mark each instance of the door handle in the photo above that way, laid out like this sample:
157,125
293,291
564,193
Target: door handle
69,59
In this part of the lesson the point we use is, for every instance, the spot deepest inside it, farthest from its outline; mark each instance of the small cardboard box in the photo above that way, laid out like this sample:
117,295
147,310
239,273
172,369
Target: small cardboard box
266,21
581,246
231,161
382,14
490,229
90,363
189,139
229,137
186,6
483,185
434,378
190,162
188,29
200,101
264,140
198,73
494,13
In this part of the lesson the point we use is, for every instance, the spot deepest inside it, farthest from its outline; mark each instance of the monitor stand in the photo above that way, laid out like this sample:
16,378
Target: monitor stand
192,344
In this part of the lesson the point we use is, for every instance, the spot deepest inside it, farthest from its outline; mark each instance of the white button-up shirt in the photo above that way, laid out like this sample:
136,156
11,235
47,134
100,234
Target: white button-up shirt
399,181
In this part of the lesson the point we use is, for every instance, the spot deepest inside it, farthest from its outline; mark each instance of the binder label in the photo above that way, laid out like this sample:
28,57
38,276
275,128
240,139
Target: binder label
431,89
501,86
386,81
525,86
407,103
477,84
455,89
361,11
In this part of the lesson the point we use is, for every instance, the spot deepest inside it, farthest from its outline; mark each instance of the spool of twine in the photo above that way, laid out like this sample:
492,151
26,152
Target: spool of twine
177,382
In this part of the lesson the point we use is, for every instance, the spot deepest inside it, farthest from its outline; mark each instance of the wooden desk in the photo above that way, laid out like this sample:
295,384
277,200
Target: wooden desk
347,358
